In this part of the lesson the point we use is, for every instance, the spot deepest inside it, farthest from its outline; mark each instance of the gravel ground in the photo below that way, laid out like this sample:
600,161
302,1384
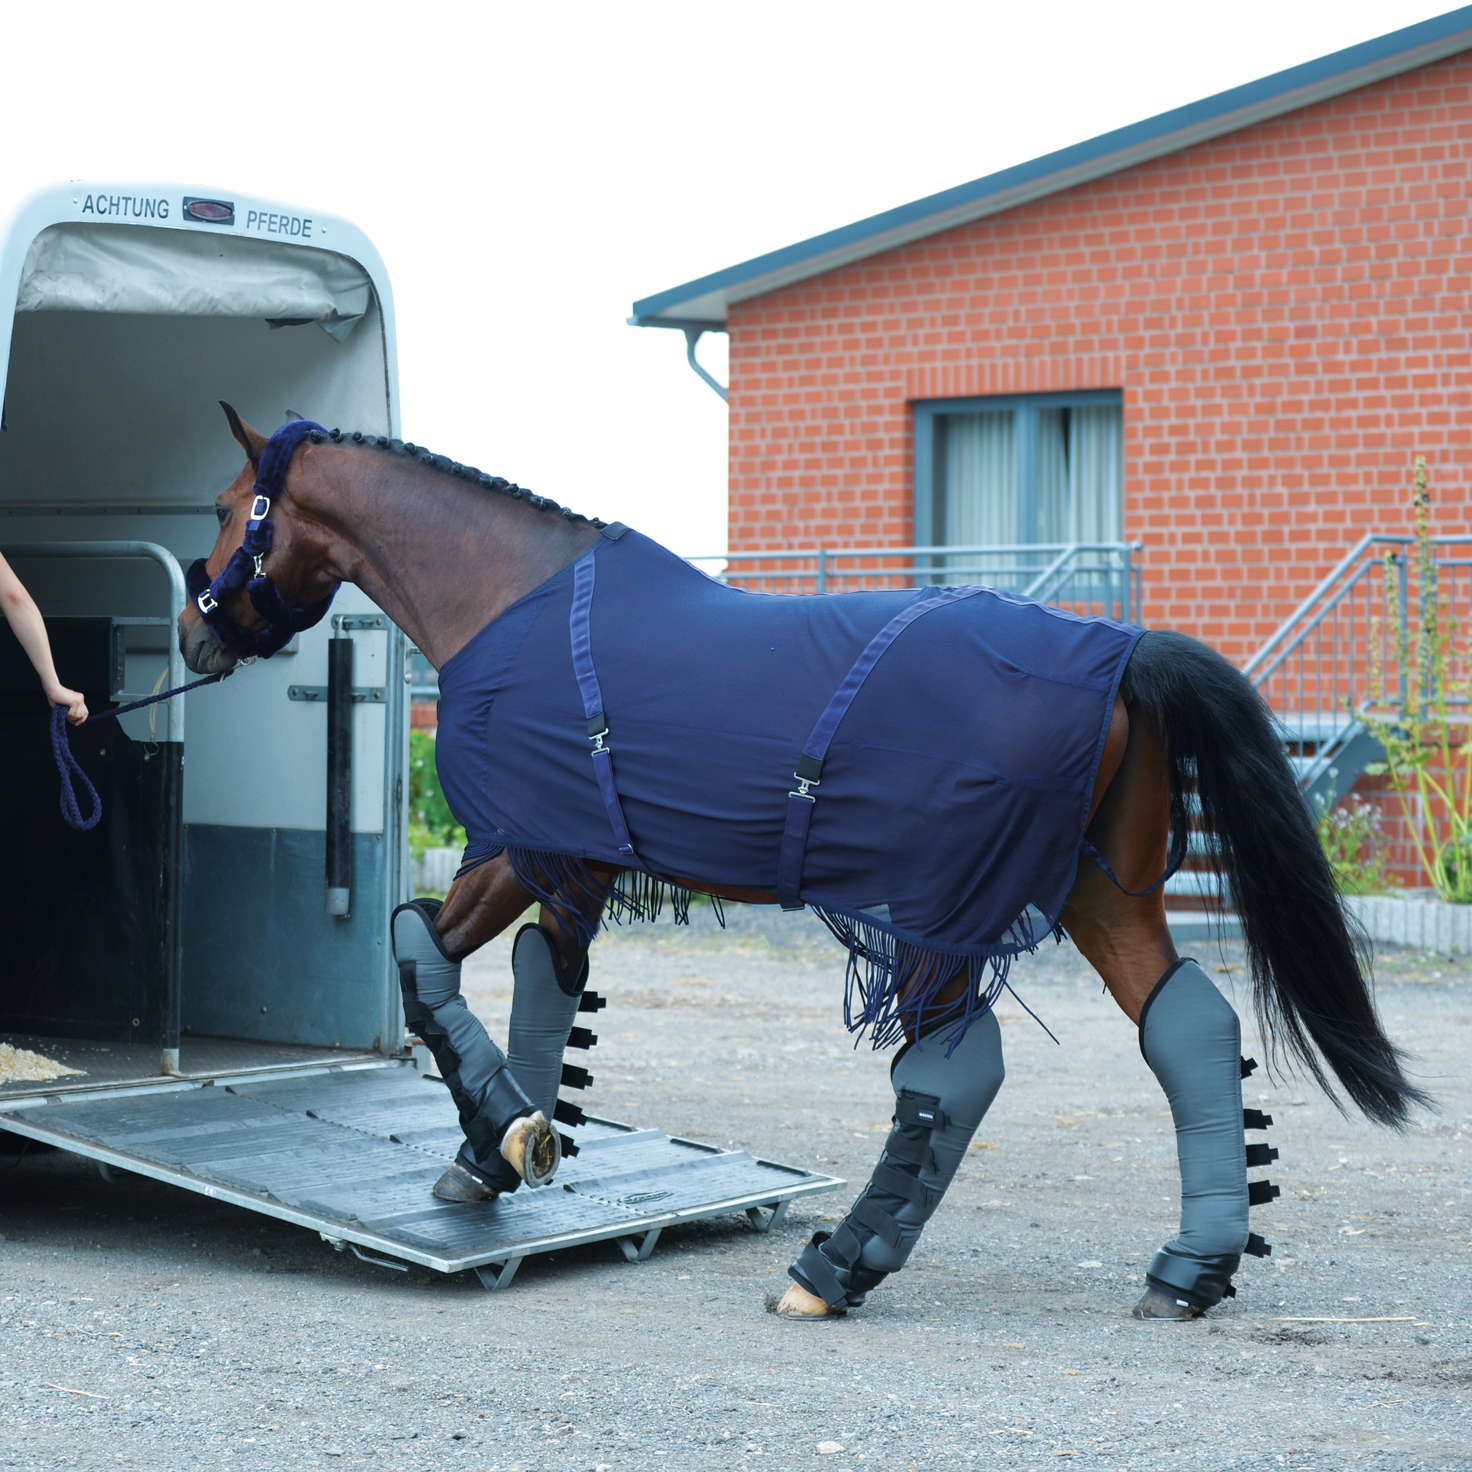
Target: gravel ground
147,1326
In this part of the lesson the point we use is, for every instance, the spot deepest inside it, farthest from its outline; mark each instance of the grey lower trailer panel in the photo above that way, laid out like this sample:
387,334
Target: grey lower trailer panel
351,1151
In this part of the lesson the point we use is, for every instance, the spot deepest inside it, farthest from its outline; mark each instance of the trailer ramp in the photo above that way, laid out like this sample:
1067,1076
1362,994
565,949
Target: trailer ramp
351,1151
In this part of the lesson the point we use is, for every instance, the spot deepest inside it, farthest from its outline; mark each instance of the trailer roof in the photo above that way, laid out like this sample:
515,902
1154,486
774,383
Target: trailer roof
704,302
162,250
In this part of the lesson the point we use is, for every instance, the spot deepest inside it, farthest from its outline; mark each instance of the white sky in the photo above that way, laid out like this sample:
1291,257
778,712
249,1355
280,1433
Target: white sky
528,171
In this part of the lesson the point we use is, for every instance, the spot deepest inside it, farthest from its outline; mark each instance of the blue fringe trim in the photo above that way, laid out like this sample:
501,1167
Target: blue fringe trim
564,883
892,986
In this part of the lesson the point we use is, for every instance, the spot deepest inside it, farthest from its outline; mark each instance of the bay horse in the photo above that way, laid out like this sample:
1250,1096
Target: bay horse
979,772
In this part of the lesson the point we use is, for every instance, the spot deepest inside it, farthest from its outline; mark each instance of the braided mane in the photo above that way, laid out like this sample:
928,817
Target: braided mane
451,467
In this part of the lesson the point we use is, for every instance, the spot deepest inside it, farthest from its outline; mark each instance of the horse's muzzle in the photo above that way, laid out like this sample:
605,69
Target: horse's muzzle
203,653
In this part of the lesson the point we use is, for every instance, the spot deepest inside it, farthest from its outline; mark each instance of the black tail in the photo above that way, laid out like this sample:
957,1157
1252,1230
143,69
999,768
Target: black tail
1309,960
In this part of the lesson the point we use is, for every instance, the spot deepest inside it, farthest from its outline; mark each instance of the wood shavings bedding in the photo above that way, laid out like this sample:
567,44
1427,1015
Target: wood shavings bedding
19,1066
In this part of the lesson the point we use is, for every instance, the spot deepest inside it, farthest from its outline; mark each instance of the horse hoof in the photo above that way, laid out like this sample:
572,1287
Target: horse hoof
532,1149
798,1303
1161,1307
458,1184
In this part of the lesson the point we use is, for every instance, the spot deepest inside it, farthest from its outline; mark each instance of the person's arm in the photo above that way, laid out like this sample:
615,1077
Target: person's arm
24,619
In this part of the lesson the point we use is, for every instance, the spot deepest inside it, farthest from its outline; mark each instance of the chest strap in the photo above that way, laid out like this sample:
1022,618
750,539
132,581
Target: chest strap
809,770
580,627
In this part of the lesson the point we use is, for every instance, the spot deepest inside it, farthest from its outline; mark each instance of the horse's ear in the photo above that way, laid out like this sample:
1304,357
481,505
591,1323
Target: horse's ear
249,440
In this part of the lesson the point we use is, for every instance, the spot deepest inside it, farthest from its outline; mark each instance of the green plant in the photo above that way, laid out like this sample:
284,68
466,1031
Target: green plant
431,824
1424,727
1351,836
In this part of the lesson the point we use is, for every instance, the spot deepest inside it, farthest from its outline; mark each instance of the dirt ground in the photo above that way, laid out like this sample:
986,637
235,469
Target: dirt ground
147,1326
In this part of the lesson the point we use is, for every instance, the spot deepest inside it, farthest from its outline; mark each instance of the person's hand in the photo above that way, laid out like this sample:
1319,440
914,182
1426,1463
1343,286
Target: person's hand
74,700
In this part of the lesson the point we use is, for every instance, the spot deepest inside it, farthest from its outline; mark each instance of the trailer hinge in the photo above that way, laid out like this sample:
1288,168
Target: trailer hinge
362,694
349,621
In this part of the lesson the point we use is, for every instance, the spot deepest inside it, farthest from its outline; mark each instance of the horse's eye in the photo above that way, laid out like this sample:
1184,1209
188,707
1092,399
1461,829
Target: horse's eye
222,514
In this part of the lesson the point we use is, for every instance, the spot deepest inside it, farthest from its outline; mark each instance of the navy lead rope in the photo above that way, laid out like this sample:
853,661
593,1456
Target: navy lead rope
70,770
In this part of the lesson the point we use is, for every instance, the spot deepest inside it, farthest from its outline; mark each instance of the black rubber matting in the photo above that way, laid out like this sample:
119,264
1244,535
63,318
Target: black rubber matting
352,1151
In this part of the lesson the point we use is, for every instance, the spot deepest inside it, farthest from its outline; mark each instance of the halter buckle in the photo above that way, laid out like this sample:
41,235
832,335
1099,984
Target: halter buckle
260,508
207,607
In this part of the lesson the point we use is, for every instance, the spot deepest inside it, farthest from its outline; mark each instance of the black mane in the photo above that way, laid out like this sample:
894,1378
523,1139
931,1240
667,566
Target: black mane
451,467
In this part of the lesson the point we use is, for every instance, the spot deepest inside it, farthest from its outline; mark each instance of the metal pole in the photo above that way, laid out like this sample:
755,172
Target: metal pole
146,551
340,777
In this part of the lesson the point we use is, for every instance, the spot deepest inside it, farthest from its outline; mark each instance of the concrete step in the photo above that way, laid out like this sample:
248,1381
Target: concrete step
1190,926
1195,883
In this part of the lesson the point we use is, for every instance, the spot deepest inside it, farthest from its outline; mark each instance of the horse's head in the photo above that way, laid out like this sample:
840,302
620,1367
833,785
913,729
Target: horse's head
268,575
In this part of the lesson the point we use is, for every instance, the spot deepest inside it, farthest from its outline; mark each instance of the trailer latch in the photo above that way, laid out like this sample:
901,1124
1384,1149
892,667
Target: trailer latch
362,694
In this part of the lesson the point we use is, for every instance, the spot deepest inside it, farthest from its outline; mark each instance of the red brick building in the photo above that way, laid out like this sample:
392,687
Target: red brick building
1221,334
1270,289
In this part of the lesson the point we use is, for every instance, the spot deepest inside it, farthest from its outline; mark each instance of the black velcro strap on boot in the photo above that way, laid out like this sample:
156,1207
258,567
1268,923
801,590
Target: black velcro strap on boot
1261,1155
909,1149
1259,1193
1202,1283
891,1181
591,1002
1255,1119
818,1275
565,1113
868,1213
575,1077
834,1274
581,1037
481,1153
569,1145
1257,1247
1249,1067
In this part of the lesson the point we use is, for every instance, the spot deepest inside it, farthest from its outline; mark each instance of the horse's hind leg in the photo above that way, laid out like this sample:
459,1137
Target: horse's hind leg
507,1139
941,1096
1189,1034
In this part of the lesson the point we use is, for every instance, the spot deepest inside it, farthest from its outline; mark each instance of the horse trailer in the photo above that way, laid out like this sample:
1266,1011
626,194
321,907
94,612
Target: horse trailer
211,962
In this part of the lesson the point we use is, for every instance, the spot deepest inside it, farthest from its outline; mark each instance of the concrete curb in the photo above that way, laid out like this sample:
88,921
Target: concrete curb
1426,924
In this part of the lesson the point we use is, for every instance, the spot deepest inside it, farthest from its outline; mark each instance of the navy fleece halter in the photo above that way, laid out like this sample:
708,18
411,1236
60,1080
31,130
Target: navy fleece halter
244,567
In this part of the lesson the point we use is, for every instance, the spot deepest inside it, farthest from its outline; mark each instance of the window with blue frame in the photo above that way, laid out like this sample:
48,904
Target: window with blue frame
1017,469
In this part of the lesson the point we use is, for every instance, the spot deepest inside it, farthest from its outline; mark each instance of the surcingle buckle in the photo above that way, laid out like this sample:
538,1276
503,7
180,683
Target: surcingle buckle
809,770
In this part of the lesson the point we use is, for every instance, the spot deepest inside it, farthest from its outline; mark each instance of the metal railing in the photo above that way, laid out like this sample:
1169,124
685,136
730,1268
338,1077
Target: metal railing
1089,577
1342,651
168,564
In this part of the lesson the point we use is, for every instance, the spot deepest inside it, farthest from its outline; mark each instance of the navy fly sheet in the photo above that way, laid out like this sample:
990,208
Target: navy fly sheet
916,766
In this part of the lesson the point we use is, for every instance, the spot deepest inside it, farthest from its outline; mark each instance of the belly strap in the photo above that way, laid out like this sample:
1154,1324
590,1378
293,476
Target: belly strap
809,769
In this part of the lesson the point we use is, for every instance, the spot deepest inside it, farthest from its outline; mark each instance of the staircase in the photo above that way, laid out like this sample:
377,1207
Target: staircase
1337,655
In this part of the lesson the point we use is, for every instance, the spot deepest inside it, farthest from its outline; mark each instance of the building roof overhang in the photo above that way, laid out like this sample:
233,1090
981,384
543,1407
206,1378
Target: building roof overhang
703,304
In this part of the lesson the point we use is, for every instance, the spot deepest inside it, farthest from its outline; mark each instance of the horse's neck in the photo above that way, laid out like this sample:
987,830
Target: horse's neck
441,556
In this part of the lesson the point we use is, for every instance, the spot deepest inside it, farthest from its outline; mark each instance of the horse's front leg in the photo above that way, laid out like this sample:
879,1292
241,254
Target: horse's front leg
507,1139
941,1095
549,967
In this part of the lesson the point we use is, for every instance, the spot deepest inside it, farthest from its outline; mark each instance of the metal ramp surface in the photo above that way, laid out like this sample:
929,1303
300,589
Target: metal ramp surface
352,1150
